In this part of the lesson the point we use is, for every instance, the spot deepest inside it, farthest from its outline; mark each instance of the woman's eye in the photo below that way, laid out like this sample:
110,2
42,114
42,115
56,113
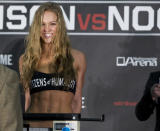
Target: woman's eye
53,23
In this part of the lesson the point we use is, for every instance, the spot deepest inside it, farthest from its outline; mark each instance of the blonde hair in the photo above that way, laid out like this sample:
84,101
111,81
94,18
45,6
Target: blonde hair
63,60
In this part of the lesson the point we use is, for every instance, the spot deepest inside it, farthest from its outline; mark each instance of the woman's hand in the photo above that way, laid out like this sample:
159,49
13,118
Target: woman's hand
155,91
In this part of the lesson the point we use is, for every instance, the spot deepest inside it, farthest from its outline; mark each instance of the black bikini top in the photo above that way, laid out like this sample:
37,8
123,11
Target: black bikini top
43,81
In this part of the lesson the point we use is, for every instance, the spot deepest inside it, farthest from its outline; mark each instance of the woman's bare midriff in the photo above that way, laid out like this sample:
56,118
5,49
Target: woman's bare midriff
50,101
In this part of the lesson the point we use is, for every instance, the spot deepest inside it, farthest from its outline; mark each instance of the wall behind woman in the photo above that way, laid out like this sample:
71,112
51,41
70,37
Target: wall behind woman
121,42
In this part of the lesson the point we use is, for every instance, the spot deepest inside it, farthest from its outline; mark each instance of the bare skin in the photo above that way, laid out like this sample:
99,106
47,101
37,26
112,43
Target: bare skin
155,91
54,101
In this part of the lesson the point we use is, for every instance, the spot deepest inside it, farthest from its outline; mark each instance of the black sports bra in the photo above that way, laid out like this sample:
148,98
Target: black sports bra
43,81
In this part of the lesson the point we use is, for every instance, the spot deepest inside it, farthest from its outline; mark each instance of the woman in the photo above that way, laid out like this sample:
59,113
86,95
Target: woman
51,71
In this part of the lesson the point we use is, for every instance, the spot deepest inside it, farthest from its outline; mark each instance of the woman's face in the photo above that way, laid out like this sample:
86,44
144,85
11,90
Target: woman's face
48,27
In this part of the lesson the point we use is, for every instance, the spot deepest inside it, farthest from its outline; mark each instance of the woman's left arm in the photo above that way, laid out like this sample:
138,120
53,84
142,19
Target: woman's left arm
81,69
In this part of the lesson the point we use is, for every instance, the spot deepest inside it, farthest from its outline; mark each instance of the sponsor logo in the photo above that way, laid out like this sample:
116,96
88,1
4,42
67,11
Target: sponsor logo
136,61
53,82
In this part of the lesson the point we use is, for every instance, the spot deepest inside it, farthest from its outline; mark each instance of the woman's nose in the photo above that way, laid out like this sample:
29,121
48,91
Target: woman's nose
46,28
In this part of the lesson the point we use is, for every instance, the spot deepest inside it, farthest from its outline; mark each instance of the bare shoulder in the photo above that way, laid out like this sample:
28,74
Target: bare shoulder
20,63
77,54
79,59
21,59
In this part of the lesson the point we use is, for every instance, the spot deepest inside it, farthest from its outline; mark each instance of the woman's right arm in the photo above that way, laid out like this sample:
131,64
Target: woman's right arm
27,99
27,91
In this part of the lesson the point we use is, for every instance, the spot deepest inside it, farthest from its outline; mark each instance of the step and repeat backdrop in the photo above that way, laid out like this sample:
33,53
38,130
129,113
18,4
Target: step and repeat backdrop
121,41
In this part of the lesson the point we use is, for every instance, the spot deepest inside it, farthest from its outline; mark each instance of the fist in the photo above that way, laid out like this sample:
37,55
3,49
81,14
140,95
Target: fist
155,91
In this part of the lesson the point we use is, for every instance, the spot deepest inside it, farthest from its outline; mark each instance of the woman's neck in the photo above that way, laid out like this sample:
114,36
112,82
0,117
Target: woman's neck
46,50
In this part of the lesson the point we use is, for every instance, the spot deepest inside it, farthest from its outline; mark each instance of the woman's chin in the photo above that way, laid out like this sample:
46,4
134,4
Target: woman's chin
47,41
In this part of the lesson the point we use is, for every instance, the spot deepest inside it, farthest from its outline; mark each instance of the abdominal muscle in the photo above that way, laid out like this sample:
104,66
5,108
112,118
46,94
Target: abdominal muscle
50,101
